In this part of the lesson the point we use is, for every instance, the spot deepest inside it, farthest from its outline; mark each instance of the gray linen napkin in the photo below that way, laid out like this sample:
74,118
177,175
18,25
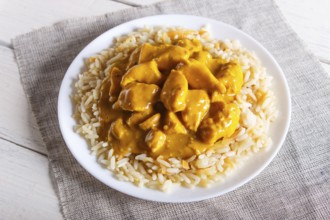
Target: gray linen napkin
295,185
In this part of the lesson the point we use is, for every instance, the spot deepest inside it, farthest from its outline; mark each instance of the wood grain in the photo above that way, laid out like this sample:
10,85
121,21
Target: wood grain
310,19
25,188
138,2
21,16
307,18
17,123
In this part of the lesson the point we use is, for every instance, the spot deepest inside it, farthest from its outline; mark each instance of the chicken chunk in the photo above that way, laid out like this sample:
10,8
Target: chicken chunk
173,125
203,57
150,123
155,140
199,76
198,104
125,140
174,92
215,64
115,78
143,73
133,58
117,129
149,52
138,97
166,56
231,76
138,117
222,121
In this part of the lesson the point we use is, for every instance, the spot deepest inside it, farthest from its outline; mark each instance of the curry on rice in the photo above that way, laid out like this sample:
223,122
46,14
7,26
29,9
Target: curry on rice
173,100
171,105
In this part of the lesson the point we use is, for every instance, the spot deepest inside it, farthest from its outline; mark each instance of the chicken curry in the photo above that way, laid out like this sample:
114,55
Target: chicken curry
173,100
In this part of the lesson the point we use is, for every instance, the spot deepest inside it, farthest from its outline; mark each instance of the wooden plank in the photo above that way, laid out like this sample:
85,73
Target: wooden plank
138,2
16,121
310,19
26,191
21,16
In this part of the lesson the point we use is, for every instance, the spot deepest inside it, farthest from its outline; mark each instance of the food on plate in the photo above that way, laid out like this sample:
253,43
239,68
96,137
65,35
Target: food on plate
167,106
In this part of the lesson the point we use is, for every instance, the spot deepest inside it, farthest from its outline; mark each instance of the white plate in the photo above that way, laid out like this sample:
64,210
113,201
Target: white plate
79,148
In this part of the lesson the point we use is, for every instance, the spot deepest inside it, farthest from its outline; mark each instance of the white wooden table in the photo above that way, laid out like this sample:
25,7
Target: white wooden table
25,187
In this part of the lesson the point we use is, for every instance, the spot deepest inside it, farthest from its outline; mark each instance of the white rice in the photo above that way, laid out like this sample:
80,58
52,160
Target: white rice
257,112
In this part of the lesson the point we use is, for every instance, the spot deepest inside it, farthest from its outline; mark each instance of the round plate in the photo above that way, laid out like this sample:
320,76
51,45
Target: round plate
79,148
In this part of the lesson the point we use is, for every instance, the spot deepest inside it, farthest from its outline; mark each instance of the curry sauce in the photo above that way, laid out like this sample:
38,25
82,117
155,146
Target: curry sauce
173,100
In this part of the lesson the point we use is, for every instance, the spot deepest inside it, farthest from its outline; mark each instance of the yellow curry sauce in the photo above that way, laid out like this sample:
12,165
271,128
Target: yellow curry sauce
171,100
